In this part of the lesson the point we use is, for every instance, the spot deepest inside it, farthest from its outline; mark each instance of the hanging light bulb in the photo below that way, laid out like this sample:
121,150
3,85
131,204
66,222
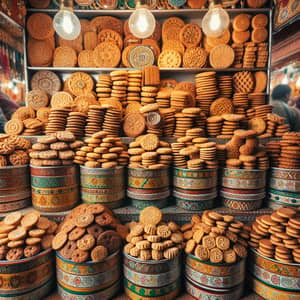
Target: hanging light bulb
65,22
298,82
141,22
216,20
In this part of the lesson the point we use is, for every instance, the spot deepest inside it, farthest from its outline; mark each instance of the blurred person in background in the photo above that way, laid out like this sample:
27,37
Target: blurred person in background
7,108
280,97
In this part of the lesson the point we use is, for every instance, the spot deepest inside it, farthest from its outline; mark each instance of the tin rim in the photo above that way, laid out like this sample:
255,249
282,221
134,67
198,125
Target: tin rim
191,170
14,167
152,261
281,169
114,168
24,260
52,167
273,260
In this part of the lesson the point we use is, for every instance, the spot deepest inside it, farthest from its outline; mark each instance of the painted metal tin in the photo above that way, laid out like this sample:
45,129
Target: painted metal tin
284,197
54,189
105,186
141,204
148,187
14,188
148,179
195,205
243,179
287,174
285,185
29,278
214,276
90,279
242,205
199,292
195,179
14,205
277,204
167,292
158,279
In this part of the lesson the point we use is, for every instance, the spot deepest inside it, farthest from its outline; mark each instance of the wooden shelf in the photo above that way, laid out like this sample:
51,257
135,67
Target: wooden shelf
157,12
106,70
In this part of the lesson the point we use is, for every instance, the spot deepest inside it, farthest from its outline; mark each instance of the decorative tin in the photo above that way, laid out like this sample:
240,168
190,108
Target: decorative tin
105,186
214,276
148,187
155,279
15,190
195,189
195,179
198,292
284,198
54,189
242,201
274,274
287,174
29,278
244,179
88,280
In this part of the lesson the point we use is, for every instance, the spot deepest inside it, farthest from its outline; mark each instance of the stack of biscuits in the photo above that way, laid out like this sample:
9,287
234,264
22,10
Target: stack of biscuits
216,238
101,151
89,233
14,150
25,236
194,153
153,239
94,120
243,152
76,123
150,87
119,85
103,86
231,122
285,153
148,151
57,120
277,235
134,86
57,149
153,119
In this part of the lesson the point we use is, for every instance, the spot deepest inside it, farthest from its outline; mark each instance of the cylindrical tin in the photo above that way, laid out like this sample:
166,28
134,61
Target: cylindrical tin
147,187
155,279
105,186
15,190
54,189
195,189
284,188
88,280
272,279
234,199
244,179
214,276
29,278
199,292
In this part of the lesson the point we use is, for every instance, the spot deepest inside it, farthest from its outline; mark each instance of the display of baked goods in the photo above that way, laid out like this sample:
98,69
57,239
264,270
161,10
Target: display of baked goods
14,150
106,42
24,236
148,151
243,151
56,149
277,235
101,151
216,238
285,153
153,239
195,153
90,232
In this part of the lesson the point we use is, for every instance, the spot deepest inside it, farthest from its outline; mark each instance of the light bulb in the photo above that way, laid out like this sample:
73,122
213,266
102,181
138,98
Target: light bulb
66,24
215,22
298,82
142,23
285,80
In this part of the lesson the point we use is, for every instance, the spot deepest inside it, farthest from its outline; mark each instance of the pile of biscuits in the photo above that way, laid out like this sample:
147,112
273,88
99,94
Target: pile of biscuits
147,151
244,152
255,53
101,151
105,42
277,235
216,238
14,150
285,153
153,239
194,153
89,233
28,121
57,149
25,236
